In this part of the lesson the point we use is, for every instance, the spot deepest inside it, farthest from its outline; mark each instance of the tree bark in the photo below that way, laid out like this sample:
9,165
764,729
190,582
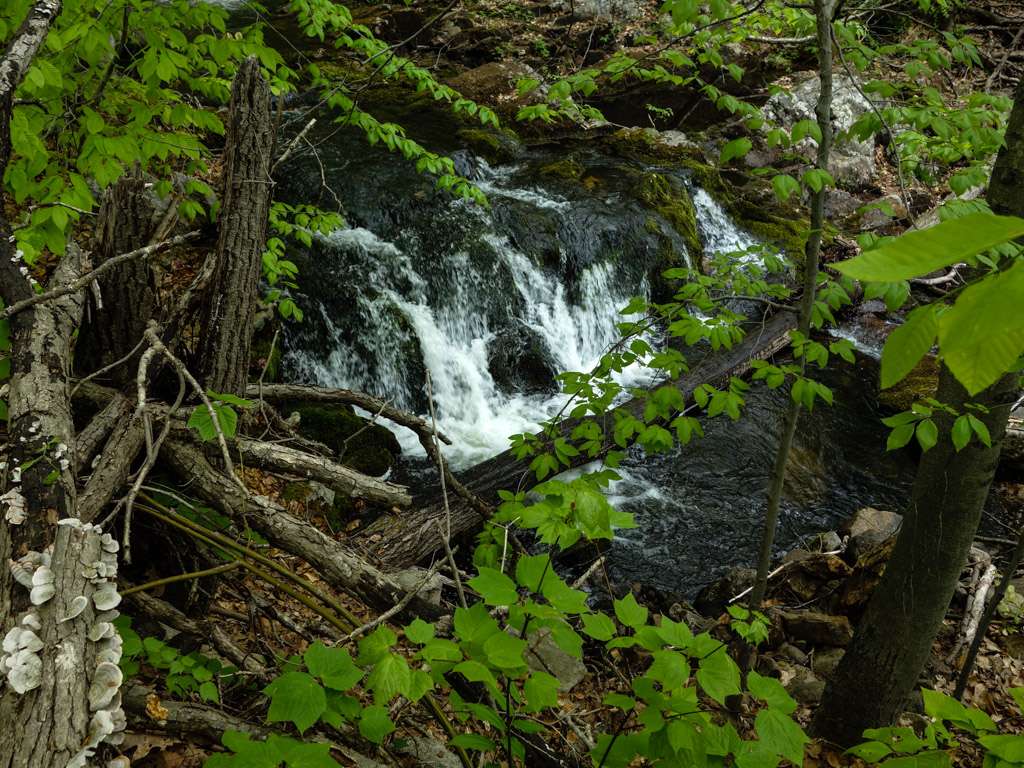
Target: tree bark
894,638
116,316
231,297
415,534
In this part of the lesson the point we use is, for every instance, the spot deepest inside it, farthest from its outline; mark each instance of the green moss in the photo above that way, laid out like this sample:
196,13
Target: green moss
674,204
494,146
917,385
372,451
259,356
296,491
568,169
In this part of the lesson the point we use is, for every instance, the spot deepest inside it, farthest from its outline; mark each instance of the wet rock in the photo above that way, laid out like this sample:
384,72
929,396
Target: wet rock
519,361
714,598
543,654
494,146
619,10
867,529
853,161
825,661
830,541
817,628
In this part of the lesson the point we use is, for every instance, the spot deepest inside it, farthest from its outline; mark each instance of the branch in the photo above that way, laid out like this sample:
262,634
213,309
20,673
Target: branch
88,277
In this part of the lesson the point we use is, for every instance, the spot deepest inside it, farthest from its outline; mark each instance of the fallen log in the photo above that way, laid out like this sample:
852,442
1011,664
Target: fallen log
279,393
337,565
413,535
338,478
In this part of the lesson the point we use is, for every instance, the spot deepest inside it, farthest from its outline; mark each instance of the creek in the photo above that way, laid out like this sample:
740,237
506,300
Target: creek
492,303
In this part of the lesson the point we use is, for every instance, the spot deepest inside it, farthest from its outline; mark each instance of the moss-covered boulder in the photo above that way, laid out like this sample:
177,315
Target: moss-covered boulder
569,169
917,385
494,146
368,448
673,203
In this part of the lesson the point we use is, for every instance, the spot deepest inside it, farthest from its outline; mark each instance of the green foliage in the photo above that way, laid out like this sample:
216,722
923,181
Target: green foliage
185,674
224,409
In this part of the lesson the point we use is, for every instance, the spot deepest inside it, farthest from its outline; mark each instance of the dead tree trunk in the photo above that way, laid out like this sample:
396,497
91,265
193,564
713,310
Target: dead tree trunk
233,293
126,300
414,534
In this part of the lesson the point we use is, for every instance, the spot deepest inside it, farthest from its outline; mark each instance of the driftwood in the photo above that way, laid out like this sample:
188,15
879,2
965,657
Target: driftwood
413,535
337,565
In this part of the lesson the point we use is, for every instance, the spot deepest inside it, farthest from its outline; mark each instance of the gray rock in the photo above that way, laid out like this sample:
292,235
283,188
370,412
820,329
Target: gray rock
825,661
793,653
868,528
817,628
830,541
411,578
853,161
806,688
429,752
544,655
617,10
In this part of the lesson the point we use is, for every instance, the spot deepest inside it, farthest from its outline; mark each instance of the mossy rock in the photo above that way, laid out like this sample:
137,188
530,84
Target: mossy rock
494,146
917,385
673,204
568,169
373,451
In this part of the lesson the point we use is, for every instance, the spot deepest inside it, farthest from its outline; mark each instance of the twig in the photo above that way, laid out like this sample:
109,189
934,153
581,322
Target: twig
182,577
395,609
983,573
108,368
446,533
588,573
179,366
88,277
992,78
292,144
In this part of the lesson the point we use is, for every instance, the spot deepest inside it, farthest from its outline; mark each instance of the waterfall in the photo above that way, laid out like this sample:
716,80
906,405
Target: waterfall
383,313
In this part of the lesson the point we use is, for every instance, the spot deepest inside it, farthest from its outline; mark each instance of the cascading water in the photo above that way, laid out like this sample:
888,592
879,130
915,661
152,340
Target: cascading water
493,303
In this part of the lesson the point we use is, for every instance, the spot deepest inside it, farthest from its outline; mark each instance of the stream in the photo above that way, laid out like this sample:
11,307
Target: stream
493,303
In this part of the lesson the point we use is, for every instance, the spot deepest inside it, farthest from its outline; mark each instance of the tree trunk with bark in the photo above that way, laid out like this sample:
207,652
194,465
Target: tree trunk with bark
125,299
232,295
894,638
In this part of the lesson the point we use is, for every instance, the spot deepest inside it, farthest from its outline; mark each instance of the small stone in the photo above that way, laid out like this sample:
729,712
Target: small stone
543,654
806,688
825,661
867,529
793,653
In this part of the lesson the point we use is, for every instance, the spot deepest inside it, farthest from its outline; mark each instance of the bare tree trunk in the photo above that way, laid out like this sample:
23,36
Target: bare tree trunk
824,10
232,296
894,637
117,314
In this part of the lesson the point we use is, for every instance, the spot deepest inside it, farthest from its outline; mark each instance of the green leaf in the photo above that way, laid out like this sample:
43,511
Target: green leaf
375,646
922,251
770,690
541,691
419,632
719,676
494,587
908,344
630,612
375,724
979,429
785,186
781,734
530,569
504,651
899,437
296,697
598,626
333,666
669,668
961,432
870,751
473,741
927,434
476,672
982,335
390,676
735,148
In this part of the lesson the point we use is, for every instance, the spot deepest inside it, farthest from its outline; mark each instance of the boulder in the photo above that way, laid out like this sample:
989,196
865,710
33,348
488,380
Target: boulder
411,578
806,687
867,529
428,752
817,628
853,161
494,81
367,448
519,361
